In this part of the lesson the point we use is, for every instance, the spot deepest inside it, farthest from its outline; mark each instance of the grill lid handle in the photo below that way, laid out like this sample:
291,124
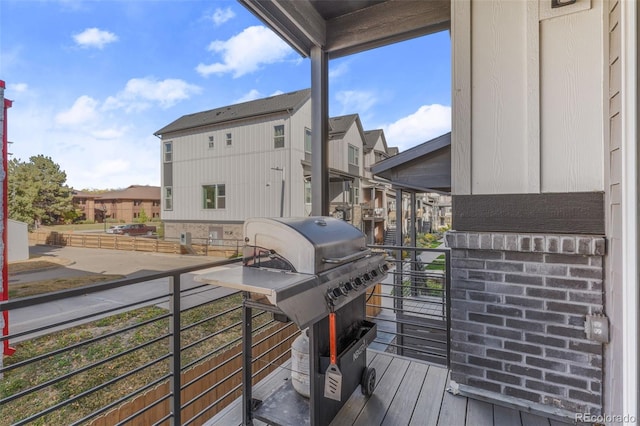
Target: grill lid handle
348,258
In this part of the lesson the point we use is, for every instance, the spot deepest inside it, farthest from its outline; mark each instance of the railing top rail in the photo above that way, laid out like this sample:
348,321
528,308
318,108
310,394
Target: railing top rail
94,288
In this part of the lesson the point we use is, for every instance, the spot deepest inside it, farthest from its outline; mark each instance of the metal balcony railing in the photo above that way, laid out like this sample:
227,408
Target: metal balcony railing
173,354
170,356
412,305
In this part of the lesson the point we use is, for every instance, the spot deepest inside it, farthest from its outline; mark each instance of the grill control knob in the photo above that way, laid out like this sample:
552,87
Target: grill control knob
384,268
345,288
331,296
336,293
366,277
374,273
358,282
354,284
348,286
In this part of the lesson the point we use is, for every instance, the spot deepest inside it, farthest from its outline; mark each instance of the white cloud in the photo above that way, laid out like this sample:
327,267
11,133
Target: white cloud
140,93
354,101
106,134
220,16
339,70
246,52
18,87
428,122
107,167
94,37
249,96
82,112
94,153
255,94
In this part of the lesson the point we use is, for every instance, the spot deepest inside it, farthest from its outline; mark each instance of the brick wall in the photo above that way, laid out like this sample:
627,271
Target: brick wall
518,307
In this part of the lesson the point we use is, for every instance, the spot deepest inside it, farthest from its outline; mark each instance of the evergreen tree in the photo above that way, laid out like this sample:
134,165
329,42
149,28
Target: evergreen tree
38,192
142,216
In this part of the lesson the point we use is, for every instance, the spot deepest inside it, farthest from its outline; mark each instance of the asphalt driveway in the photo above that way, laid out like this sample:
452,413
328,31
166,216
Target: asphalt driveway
81,261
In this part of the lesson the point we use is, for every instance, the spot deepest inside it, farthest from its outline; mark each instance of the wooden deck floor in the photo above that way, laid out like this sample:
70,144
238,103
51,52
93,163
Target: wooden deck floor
407,393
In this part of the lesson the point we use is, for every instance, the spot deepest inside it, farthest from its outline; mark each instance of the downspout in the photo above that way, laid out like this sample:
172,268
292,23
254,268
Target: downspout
6,103
288,169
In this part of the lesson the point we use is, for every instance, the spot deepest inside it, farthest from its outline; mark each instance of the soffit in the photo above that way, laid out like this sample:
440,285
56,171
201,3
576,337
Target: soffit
350,26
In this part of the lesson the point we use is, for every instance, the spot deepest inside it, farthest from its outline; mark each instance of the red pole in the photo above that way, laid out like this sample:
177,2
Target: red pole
5,220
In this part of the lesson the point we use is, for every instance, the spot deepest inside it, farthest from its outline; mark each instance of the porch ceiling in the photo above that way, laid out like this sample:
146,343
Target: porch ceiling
350,26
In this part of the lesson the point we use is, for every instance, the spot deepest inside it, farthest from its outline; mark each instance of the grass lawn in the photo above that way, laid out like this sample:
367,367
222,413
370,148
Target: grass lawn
47,286
436,265
32,265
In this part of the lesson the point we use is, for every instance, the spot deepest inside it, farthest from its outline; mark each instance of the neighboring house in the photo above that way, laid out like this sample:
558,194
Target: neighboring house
376,194
124,205
408,174
253,159
544,163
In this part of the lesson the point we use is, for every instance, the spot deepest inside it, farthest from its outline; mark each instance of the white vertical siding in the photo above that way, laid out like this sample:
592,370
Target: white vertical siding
507,60
295,174
339,154
252,188
572,101
498,101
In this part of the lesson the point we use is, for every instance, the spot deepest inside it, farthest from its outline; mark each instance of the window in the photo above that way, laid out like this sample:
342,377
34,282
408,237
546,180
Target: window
354,195
213,197
136,215
354,154
307,192
168,198
229,141
137,202
278,136
307,141
168,152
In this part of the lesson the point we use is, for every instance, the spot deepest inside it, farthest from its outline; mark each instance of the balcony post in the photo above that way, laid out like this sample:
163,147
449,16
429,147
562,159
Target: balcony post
319,132
174,343
247,356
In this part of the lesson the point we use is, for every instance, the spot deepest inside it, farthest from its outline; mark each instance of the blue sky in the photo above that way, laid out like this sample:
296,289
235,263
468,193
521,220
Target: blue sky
93,80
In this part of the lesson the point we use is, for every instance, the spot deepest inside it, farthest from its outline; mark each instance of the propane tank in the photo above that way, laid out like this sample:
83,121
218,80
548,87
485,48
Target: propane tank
300,364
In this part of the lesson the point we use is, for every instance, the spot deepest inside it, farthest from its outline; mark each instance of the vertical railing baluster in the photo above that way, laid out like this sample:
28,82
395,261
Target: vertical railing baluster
247,363
447,286
174,346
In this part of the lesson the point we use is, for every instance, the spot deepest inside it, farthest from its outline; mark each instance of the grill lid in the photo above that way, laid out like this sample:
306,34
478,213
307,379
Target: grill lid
311,244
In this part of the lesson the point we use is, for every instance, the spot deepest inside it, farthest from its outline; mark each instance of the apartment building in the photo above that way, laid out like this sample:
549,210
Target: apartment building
253,159
123,205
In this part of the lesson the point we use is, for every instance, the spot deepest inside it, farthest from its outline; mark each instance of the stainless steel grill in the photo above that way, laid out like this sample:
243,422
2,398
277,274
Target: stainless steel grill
304,266
304,269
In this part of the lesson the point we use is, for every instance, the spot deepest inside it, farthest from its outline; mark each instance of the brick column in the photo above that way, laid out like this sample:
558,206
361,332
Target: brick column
518,308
